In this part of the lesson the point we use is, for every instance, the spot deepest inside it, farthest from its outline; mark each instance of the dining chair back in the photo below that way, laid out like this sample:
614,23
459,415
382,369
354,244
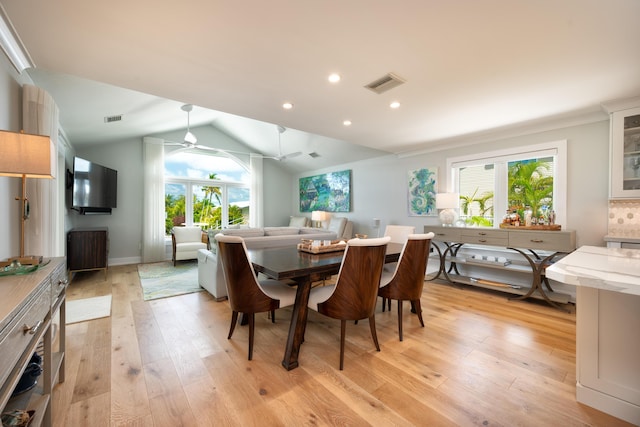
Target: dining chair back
246,293
354,295
407,281
398,234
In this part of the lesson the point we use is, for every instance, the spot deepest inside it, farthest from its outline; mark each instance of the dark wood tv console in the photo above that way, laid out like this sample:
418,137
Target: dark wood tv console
87,249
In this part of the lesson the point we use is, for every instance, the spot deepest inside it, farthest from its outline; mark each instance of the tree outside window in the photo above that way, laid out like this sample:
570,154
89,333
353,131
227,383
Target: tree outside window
194,195
508,184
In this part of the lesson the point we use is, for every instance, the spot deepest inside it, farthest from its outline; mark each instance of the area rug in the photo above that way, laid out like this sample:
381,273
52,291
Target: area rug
162,279
81,310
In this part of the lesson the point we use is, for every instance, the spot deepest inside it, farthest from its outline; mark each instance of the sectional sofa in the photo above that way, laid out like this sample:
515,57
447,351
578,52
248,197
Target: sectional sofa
210,272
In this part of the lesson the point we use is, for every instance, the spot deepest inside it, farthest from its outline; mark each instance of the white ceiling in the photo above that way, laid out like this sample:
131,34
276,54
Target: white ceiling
472,68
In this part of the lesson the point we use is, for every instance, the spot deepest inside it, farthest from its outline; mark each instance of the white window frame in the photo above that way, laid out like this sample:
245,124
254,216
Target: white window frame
500,158
224,186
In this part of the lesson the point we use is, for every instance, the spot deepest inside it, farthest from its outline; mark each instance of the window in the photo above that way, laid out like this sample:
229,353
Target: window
492,184
211,191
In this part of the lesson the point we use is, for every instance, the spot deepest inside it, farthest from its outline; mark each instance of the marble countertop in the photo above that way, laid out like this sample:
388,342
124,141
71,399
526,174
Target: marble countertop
624,239
611,269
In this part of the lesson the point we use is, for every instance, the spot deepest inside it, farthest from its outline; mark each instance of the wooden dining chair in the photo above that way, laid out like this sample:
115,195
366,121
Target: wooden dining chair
246,293
398,234
407,281
354,295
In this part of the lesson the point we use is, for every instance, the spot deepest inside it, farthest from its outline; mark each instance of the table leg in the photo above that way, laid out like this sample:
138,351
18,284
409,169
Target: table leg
297,326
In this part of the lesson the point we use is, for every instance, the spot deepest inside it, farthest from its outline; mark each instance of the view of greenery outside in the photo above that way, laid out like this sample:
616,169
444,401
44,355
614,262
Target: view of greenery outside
207,210
209,215
195,195
476,195
530,184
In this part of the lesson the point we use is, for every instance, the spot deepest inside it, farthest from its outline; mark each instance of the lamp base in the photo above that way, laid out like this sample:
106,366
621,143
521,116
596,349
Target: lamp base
448,217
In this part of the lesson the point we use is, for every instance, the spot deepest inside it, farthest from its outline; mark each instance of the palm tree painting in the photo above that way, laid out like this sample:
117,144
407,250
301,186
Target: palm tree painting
423,186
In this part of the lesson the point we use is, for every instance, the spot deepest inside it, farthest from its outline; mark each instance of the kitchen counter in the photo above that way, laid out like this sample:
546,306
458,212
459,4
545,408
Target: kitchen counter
607,282
617,238
611,269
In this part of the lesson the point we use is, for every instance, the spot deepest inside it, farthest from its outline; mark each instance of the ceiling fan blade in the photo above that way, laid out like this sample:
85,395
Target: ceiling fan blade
291,155
204,147
190,138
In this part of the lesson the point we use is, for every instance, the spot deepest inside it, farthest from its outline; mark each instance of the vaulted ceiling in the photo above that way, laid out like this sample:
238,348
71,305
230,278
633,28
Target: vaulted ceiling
472,70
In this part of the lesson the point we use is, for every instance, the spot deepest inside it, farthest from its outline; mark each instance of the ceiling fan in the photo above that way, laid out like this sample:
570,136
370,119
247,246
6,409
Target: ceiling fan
190,140
281,157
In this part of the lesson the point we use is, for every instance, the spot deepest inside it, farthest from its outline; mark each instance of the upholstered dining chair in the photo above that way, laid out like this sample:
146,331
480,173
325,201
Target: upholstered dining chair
246,293
407,281
185,243
354,295
398,234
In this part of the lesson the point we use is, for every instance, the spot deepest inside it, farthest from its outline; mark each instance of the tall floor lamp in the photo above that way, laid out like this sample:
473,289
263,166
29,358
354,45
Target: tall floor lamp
25,156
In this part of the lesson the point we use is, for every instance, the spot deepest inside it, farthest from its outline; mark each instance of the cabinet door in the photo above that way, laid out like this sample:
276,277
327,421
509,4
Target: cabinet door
625,154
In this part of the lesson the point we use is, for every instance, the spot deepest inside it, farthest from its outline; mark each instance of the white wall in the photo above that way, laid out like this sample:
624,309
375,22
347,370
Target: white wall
379,186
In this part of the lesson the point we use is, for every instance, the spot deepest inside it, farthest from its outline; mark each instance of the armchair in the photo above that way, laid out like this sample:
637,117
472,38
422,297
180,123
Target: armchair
185,243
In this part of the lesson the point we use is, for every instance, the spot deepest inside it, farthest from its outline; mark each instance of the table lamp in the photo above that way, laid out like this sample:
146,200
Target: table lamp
25,156
447,202
317,217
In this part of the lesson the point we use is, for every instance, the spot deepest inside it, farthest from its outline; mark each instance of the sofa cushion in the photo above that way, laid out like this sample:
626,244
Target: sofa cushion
298,221
244,232
312,230
280,231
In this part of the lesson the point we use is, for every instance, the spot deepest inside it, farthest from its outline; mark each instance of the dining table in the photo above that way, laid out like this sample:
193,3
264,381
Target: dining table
304,268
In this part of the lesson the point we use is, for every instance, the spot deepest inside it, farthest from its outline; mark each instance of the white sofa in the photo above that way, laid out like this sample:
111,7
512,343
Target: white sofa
210,272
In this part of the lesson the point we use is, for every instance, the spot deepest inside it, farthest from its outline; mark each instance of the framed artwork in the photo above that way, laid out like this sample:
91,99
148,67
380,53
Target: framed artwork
329,192
422,189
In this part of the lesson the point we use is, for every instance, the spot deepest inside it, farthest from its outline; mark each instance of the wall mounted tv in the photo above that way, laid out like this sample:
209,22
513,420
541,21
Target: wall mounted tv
94,188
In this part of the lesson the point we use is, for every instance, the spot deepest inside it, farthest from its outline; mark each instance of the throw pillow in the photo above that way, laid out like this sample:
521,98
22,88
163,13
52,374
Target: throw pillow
337,224
298,221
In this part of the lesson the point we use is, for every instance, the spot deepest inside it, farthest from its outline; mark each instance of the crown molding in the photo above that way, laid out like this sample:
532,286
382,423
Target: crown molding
12,45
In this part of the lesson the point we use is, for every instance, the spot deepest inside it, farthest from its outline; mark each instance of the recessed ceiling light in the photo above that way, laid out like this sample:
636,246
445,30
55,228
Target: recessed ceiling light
334,78
394,105
287,106
347,123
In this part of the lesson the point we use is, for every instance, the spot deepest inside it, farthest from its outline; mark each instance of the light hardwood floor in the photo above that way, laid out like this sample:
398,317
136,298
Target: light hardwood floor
480,360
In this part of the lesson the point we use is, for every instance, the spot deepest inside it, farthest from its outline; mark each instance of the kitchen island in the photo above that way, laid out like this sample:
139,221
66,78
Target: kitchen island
607,282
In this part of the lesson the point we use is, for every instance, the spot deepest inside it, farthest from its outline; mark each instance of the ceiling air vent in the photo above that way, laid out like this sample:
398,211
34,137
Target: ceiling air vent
385,83
314,154
111,119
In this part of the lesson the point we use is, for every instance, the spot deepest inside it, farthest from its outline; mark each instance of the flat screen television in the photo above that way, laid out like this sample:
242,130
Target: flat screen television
94,187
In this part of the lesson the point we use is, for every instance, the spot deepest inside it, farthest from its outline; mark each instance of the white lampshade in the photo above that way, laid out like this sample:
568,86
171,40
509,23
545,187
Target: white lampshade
23,154
317,216
447,200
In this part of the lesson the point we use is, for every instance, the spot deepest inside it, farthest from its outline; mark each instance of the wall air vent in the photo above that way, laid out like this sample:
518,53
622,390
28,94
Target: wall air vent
111,119
385,83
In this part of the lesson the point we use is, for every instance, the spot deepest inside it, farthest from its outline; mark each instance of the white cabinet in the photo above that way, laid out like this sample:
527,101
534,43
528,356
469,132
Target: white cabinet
625,154
607,324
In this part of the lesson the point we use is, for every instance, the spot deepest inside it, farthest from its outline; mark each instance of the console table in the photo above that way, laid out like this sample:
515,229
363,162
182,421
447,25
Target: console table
29,303
485,249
